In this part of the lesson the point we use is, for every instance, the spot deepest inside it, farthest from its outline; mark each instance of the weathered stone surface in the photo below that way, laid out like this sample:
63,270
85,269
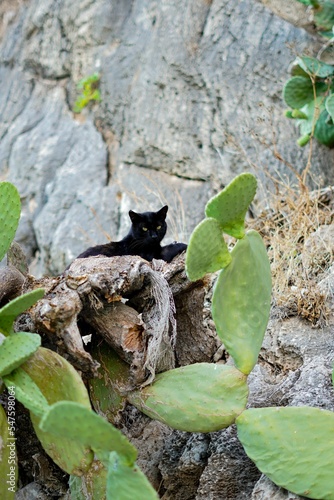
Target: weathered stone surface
182,464
194,92
229,472
267,490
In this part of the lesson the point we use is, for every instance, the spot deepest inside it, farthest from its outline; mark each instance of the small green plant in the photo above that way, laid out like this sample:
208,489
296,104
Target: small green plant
323,15
310,95
89,92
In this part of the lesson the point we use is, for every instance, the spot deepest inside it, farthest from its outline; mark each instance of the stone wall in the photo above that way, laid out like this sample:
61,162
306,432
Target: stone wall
191,96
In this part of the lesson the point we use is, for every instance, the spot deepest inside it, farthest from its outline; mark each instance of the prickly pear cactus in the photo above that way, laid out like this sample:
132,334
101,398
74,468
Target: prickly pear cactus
8,461
17,348
58,380
203,397
10,209
292,446
92,484
241,301
207,251
75,421
126,482
27,392
229,207
10,311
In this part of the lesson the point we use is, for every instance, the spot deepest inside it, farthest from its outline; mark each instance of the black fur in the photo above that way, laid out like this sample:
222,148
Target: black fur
143,239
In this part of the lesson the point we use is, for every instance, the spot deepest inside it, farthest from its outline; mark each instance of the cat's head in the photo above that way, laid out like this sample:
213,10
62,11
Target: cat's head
150,227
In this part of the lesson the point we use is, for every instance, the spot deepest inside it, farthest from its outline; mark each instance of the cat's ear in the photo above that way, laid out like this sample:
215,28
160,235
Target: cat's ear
163,211
134,217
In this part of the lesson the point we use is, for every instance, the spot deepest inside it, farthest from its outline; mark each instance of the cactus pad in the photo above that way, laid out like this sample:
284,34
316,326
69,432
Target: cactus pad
27,392
10,311
292,446
203,397
229,207
10,208
91,485
241,301
8,461
58,380
16,349
75,421
207,251
128,482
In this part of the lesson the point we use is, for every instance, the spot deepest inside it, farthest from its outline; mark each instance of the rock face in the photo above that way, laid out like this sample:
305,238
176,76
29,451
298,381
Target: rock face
190,96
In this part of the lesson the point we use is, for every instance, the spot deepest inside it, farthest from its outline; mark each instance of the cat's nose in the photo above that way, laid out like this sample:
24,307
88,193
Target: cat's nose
154,236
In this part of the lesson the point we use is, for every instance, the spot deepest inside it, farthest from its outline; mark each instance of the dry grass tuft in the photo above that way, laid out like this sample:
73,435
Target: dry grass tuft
296,230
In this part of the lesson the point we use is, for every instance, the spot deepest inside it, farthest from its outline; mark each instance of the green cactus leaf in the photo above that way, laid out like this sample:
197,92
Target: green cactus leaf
76,488
75,421
92,485
330,106
127,483
299,91
203,397
292,446
58,380
241,301
10,311
8,459
229,207
27,392
10,209
315,67
324,131
207,251
16,349
105,390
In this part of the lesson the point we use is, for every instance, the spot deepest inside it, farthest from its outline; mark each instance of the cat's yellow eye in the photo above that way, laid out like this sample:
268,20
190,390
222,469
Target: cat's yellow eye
144,228
158,227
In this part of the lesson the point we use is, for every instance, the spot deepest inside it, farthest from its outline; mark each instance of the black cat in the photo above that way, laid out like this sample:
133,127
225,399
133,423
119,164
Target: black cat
143,239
